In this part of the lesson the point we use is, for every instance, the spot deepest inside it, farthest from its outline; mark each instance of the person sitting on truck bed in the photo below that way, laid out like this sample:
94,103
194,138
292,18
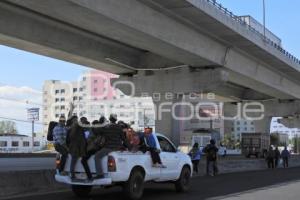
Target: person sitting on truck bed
95,141
114,141
77,147
60,144
154,152
133,139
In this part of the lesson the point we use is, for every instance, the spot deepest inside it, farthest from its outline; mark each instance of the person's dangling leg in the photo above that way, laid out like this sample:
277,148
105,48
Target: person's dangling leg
153,156
98,161
72,166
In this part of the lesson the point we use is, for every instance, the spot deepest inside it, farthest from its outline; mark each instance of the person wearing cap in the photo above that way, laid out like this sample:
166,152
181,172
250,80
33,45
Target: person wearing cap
59,139
115,140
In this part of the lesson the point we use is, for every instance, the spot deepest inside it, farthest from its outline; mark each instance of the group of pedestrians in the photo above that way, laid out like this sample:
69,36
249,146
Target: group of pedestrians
274,157
211,152
81,139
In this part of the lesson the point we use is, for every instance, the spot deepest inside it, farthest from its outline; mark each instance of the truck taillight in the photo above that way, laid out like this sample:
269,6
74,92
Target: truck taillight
111,164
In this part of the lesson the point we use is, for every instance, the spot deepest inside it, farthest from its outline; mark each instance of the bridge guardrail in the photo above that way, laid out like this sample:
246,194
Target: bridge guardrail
249,27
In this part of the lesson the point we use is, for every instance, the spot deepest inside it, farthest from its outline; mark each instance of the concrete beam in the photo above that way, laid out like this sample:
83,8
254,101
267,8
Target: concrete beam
156,31
35,33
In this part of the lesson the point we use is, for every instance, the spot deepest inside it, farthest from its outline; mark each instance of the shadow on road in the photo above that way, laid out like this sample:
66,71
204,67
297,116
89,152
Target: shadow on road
201,187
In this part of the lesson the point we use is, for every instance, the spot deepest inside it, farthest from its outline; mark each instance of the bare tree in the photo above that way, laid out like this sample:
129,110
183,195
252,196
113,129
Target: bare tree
8,127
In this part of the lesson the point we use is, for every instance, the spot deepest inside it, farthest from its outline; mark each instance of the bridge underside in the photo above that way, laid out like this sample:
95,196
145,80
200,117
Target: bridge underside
104,35
177,46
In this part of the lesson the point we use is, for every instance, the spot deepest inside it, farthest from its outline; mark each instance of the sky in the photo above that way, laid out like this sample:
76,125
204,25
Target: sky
23,73
21,79
20,68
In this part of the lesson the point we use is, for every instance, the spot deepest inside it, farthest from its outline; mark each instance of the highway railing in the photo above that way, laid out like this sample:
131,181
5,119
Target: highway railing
249,27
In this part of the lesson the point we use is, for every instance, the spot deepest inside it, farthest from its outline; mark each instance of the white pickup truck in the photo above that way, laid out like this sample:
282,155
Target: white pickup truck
131,170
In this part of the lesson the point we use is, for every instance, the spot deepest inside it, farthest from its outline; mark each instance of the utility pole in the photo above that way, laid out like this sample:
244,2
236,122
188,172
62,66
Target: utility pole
32,136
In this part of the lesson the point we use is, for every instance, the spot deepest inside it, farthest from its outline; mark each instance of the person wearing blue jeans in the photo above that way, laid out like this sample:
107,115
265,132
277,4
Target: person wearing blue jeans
195,155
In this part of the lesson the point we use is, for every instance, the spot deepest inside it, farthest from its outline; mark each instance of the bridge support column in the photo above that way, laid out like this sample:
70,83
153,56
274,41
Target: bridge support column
166,111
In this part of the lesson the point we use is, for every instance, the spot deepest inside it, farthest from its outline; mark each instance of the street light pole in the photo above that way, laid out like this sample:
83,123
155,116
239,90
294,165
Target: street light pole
32,139
264,17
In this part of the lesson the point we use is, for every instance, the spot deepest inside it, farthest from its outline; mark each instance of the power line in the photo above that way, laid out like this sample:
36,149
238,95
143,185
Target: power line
21,101
21,120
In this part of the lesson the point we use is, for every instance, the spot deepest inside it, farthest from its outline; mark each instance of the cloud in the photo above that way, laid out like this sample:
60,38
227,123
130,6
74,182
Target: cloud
14,102
23,93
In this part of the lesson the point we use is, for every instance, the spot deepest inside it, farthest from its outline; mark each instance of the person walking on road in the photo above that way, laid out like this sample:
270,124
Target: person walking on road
195,155
211,158
277,157
60,143
285,155
270,158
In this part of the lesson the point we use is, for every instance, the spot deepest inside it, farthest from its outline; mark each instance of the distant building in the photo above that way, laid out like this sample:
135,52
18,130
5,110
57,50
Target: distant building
93,97
14,143
260,28
277,127
283,139
241,126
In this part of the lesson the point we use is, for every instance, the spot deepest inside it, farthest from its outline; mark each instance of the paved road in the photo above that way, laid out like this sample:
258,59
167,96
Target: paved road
38,163
24,164
267,185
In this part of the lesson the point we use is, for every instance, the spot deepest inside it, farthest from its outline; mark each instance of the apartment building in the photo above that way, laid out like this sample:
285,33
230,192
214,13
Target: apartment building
93,97
241,126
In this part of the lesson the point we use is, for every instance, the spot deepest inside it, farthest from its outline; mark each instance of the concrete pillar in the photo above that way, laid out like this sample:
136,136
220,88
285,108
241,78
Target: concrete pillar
165,122
263,125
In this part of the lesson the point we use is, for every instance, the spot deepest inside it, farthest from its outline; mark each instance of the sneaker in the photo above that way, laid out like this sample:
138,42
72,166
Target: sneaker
63,173
89,180
99,177
156,165
163,166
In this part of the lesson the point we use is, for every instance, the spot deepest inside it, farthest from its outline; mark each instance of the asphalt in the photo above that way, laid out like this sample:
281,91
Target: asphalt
247,185
26,164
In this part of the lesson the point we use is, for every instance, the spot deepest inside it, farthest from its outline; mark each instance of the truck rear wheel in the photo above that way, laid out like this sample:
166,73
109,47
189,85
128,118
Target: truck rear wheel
183,183
81,190
134,187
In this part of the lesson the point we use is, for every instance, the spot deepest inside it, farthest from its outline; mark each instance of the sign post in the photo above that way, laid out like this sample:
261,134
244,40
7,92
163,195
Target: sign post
33,115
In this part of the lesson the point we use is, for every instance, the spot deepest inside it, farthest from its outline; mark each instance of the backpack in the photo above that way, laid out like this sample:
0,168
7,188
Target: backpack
193,153
51,126
211,154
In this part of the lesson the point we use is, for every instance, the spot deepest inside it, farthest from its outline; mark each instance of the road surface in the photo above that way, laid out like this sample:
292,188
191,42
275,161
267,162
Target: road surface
24,164
39,163
267,185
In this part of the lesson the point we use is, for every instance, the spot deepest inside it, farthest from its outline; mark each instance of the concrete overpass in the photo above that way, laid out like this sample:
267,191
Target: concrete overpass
162,46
